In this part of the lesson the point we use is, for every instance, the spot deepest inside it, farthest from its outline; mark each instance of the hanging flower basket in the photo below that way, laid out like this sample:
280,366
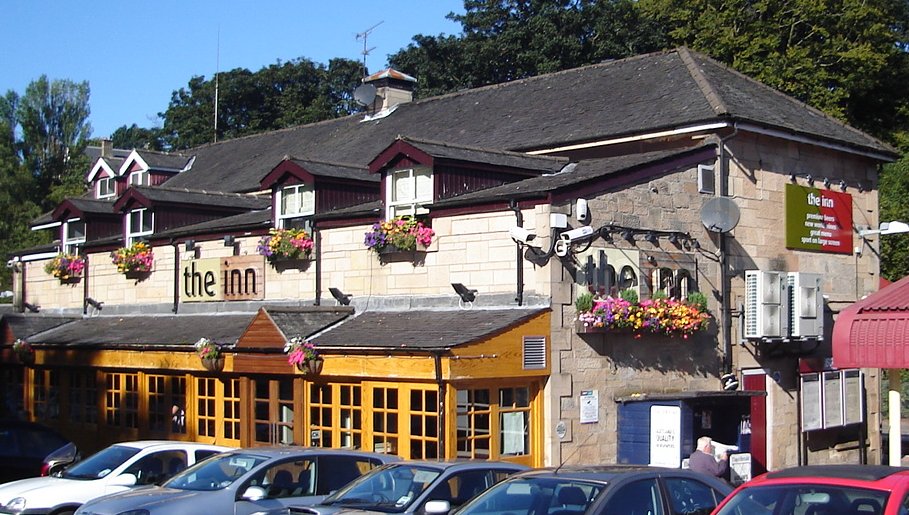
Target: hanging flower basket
24,351
67,268
135,260
282,245
660,316
303,355
400,234
211,355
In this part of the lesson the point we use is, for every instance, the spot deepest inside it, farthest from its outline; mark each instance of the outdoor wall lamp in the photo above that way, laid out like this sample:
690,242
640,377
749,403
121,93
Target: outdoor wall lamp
31,307
342,298
94,303
229,240
190,245
467,295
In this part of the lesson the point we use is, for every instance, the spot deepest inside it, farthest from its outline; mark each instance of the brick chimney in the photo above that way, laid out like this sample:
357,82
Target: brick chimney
392,87
107,148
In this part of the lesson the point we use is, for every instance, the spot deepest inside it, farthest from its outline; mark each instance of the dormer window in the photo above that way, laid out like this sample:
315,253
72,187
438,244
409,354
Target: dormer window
138,178
139,224
73,236
409,189
106,187
295,202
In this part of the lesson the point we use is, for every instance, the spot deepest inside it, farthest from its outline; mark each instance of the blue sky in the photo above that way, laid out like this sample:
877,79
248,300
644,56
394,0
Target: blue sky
135,53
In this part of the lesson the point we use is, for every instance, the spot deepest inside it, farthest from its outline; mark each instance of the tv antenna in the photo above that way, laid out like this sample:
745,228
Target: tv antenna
366,50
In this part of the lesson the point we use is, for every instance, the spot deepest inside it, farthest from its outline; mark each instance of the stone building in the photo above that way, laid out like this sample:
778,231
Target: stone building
662,175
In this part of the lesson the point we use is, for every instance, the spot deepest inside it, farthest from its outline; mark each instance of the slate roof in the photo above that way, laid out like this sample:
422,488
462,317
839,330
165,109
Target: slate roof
166,194
503,158
422,329
151,330
572,176
334,170
26,325
95,152
243,221
163,160
306,321
91,205
643,94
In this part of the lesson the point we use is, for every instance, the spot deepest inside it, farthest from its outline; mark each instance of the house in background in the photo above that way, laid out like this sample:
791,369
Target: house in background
664,174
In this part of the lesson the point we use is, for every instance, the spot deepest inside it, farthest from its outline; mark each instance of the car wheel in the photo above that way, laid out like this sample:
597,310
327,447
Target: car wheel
67,511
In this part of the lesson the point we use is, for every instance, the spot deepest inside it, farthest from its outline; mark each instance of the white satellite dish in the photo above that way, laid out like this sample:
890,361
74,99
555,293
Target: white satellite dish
365,94
720,214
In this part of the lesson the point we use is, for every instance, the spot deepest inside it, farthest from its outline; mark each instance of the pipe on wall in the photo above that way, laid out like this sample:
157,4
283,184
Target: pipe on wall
519,220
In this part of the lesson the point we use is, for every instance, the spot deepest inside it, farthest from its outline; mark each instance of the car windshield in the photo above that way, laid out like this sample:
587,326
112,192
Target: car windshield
551,496
803,499
100,464
391,488
216,473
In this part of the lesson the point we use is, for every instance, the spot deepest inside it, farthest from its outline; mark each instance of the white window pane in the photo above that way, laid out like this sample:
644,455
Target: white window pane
290,200
403,189
424,184
307,201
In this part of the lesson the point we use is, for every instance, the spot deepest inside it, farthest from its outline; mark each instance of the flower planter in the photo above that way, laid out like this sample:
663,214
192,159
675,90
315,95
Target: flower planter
288,263
137,274
26,358
311,367
213,364
71,280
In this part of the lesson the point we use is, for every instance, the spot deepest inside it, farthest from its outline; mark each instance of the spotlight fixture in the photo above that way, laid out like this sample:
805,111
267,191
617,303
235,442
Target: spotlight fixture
651,237
342,298
466,294
229,240
843,185
190,245
827,182
674,239
810,179
792,177
627,234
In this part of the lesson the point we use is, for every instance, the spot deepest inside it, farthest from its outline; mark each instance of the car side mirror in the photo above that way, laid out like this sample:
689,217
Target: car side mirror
126,479
437,507
254,493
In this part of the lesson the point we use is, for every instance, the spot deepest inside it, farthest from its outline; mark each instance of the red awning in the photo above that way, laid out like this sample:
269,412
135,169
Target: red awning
874,332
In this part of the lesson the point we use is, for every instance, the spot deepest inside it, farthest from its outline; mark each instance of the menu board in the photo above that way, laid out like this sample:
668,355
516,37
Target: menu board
833,399
852,397
811,402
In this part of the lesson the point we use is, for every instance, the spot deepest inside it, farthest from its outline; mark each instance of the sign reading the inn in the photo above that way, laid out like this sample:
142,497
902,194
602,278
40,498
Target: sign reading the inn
818,219
223,279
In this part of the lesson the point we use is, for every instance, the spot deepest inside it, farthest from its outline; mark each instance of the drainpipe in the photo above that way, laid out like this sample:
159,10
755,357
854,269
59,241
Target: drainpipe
725,316
440,383
519,219
176,277
317,241
85,276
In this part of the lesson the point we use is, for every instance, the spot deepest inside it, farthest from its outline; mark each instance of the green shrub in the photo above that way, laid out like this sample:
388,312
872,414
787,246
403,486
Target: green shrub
698,300
584,302
629,295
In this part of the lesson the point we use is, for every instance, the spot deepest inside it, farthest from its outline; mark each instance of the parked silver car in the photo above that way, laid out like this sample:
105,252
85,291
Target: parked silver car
406,487
245,481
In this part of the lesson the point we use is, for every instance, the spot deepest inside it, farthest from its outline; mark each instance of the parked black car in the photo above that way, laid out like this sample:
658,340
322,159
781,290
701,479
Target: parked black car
24,447
597,490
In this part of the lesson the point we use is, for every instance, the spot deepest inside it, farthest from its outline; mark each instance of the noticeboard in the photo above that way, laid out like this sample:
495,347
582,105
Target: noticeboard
811,402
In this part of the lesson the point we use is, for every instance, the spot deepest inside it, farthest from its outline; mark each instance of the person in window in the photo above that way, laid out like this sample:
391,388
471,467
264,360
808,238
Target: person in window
702,459
178,419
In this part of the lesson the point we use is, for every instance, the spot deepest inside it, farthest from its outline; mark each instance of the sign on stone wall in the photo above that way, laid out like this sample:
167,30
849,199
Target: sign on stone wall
223,279
818,219
665,436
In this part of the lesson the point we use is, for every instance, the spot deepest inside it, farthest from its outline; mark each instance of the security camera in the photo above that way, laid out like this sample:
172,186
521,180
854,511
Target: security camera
521,235
581,233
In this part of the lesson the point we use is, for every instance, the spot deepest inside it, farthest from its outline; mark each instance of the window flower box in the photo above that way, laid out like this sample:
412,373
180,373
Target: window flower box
401,234
303,355
286,245
24,351
134,260
68,268
211,355
658,316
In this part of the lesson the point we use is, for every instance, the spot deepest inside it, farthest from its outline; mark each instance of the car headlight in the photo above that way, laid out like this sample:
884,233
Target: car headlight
16,504
134,512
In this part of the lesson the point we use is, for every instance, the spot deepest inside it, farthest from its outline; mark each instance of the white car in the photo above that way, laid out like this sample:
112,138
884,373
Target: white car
114,469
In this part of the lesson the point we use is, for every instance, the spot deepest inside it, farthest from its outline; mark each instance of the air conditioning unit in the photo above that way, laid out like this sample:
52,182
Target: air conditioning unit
806,313
766,305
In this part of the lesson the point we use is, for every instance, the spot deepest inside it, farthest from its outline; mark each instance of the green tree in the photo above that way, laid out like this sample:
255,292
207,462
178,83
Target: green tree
137,137
277,96
53,119
894,180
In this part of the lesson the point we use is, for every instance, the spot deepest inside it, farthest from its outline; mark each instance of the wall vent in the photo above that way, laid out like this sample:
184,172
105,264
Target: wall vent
534,352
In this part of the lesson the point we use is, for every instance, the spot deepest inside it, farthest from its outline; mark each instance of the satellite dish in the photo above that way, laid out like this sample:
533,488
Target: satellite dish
720,214
365,94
